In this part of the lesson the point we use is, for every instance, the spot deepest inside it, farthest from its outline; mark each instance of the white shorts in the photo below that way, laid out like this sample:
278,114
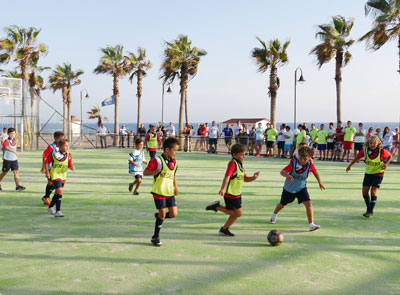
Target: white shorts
137,174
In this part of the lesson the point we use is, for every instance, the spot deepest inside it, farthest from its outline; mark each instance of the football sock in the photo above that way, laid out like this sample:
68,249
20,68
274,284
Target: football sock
167,215
53,201
372,204
58,202
49,188
158,227
367,200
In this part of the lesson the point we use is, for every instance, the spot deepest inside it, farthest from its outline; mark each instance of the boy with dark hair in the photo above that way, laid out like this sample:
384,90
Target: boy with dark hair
296,174
60,161
152,141
231,189
52,148
10,159
376,161
165,187
136,159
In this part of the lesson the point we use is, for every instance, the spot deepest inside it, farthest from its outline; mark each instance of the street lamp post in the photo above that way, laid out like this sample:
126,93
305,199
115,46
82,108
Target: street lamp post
86,96
301,79
162,103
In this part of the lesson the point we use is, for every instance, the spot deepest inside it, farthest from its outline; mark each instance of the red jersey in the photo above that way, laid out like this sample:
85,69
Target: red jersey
156,164
339,137
231,173
289,167
49,150
373,154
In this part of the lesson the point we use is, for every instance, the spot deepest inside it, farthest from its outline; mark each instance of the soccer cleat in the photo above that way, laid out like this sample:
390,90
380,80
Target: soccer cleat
46,201
257,155
58,214
130,187
368,215
226,232
20,188
314,227
156,241
51,210
213,206
136,193
273,219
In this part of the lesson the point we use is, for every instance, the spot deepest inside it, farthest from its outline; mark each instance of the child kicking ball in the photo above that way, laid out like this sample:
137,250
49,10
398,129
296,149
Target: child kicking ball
231,189
296,174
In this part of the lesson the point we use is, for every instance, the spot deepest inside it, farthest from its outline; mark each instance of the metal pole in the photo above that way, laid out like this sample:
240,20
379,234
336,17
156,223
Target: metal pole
81,119
162,105
295,93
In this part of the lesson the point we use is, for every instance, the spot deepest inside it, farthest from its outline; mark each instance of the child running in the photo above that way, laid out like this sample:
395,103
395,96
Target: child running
60,161
152,141
376,161
50,149
296,174
10,159
136,158
165,188
231,189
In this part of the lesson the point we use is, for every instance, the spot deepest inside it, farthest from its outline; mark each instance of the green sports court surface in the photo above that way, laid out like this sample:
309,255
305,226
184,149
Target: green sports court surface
102,245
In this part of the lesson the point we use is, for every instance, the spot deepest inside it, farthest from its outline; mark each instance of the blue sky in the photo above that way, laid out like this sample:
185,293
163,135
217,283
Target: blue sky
227,84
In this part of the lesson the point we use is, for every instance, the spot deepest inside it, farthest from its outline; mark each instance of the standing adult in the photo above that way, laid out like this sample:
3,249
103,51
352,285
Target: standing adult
349,132
228,132
339,141
171,129
213,134
359,140
288,148
142,131
396,142
313,135
387,139
281,140
259,139
330,141
123,132
236,131
271,136
321,141
102,132
187,131
301,135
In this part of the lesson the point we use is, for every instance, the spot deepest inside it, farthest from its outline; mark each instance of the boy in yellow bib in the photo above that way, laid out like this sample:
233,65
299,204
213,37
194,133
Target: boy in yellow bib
60,161
165,188
376,161
231,189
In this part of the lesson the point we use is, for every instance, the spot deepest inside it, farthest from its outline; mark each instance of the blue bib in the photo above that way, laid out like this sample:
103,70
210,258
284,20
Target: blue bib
300,178
137,160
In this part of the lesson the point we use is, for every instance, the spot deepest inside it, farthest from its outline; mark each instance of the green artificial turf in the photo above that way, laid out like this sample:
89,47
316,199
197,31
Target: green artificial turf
102,246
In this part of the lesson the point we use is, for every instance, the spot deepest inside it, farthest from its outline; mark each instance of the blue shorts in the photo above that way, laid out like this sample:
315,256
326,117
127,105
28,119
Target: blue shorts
302,196
165,203
358,146
288,147
57,184
259,142
322,147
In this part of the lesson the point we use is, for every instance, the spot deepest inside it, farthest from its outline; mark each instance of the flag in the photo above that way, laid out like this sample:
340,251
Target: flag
108,101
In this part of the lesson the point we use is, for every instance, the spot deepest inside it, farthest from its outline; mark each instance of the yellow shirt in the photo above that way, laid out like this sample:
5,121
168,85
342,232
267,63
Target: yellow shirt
271,134
349,133
322,135
313,133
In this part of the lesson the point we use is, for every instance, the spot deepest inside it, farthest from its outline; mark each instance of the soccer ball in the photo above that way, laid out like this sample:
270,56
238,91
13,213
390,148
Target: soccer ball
275,237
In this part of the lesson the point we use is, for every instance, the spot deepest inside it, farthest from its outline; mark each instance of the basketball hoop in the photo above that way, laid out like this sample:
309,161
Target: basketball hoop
5,94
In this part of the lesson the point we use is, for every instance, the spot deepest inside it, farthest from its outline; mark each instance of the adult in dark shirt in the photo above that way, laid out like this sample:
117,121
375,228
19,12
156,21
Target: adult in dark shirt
228,133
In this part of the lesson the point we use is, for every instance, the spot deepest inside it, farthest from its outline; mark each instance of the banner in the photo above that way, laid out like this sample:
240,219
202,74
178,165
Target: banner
108,101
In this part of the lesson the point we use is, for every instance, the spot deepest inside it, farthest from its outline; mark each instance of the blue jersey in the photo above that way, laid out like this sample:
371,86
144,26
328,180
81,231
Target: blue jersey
137,157
228,132
300,174
12,145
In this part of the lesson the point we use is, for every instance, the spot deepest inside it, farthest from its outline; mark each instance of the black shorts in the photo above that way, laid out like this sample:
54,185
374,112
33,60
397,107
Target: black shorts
232,204
281,145
270,144
331,145
372,180
212,141
302,196
165,203
137,176
228,140
7,165
57,184
152,154
358,146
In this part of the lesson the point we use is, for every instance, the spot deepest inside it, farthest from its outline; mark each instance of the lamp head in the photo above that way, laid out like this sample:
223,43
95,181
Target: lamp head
169,89
301,79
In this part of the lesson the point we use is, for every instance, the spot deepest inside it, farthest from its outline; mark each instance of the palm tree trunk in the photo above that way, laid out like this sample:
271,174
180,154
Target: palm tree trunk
186,108
116,115
64,112
183,83
273,90
398,45
139,99
338,79
68,103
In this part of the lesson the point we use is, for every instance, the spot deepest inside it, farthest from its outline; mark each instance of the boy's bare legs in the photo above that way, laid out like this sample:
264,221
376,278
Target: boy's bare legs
2,175
16,177
234,214
278,208
309,210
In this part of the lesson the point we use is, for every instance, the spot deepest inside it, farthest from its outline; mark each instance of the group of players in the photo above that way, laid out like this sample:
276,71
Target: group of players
57,160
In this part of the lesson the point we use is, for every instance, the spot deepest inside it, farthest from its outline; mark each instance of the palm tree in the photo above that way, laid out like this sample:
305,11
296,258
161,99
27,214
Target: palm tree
21,43
271,56
181,60
335,43
139,66
94,113
63,78
113,62
386,25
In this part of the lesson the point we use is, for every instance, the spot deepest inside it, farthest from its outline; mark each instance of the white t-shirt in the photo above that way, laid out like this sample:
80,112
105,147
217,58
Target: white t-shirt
123,131
360,139
171,130
288,133
102,131
282,136
331,132
237,129
213,132
388,139
260,133
3,137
